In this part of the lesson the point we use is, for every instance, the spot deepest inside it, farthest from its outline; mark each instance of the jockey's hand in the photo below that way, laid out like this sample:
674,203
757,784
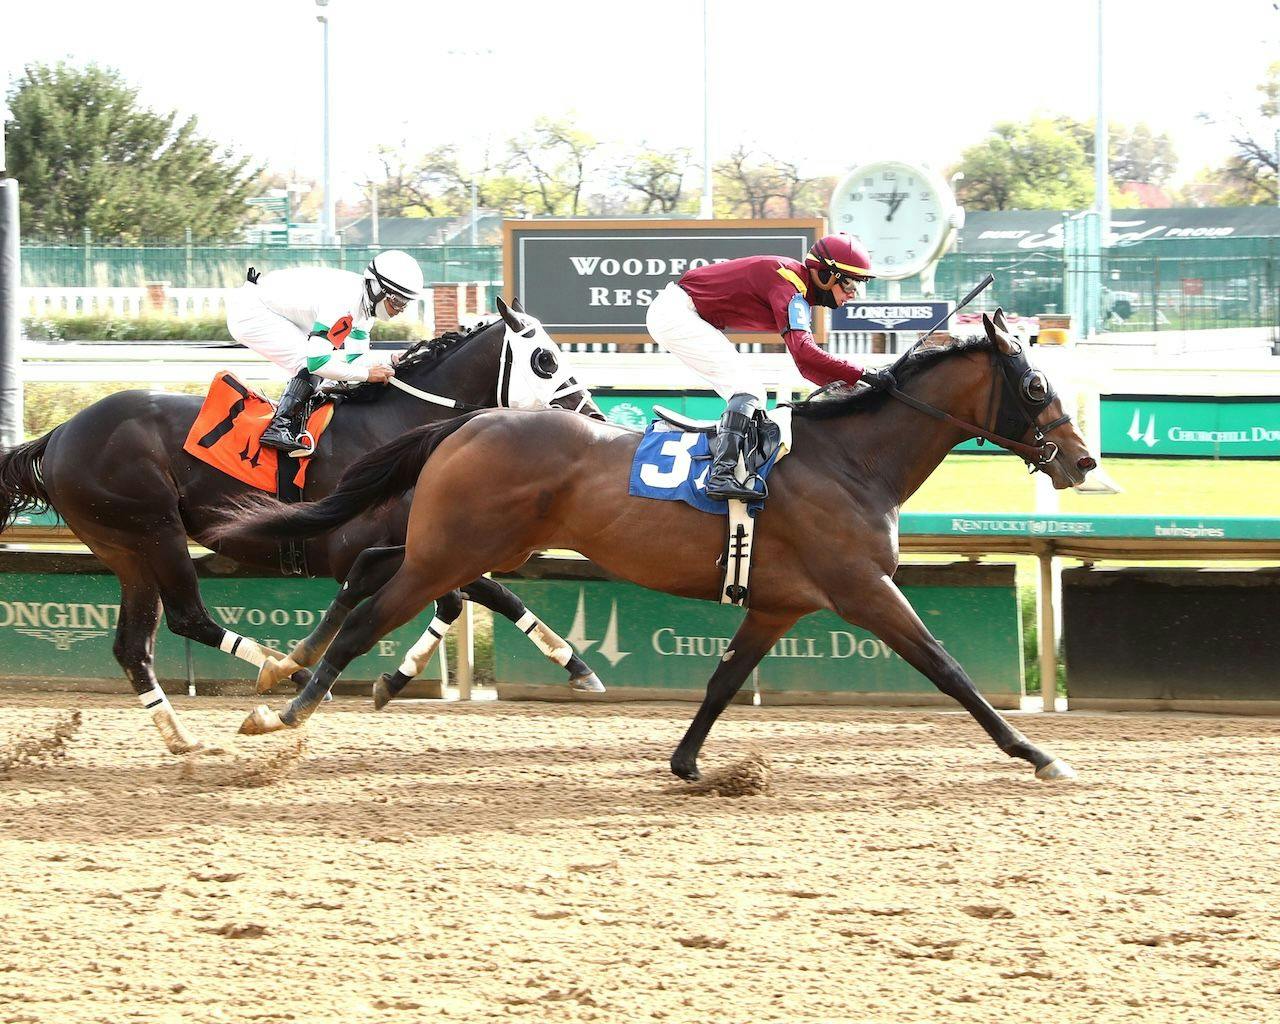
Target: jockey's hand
877,380
381,373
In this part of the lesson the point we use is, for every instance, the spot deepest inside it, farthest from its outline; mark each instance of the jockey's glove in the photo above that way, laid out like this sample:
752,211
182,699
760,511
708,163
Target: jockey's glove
877,380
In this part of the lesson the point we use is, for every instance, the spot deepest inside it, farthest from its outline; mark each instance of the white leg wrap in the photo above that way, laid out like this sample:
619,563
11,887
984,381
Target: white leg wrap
243,648
547,641
417,656
176,738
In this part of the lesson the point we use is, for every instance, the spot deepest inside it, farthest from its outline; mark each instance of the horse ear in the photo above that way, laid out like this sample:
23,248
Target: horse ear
987,326
999,319
507,315
515,304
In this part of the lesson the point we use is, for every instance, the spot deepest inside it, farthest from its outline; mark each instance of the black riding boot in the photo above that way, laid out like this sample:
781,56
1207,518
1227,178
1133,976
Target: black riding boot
282,431
726,446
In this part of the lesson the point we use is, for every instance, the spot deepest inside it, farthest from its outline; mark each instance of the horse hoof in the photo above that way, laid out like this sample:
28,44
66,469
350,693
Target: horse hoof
1056,770
687,770
260,721
589,683
382,692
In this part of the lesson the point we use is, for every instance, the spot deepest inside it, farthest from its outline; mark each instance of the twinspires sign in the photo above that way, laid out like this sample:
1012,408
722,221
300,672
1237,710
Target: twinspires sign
62,626
1191,427
640,640
594,280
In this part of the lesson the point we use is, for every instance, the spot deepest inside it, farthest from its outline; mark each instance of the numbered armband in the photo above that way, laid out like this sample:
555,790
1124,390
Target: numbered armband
799,314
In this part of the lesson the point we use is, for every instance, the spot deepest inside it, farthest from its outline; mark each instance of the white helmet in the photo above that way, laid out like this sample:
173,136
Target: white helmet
392,280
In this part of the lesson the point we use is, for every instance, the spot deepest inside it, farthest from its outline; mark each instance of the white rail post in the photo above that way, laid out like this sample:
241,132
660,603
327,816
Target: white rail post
466,653
1046,630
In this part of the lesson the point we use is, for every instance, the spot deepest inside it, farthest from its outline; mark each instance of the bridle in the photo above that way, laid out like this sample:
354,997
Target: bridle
1031,393
543,363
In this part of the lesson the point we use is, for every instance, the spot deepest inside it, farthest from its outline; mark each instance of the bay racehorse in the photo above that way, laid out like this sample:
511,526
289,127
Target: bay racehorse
117,474
827,538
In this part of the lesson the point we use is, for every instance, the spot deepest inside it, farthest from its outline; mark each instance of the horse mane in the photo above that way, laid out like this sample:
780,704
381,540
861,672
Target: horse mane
824,408
419,354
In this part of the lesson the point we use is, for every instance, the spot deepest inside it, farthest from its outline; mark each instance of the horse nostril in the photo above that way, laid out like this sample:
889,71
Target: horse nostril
1086,464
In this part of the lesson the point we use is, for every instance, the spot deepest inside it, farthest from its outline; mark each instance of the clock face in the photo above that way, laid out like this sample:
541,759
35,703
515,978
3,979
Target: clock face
901,213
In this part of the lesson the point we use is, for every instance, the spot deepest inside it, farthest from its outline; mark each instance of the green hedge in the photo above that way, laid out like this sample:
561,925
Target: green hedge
108,327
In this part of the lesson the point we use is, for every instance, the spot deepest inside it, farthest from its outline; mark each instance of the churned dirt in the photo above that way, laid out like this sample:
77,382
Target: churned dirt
501,861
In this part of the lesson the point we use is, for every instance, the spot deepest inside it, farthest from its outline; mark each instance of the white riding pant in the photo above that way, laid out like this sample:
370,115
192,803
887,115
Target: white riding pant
268,333
675,325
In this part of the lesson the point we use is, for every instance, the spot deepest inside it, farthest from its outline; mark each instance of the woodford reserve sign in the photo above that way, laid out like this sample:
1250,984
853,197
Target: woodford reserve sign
593,280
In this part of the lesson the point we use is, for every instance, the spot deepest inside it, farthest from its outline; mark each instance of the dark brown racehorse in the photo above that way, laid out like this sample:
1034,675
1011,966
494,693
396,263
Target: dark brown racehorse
117,474
827,538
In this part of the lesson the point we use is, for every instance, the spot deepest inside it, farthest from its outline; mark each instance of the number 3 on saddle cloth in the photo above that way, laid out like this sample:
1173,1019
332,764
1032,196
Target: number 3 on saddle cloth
672,464
225,435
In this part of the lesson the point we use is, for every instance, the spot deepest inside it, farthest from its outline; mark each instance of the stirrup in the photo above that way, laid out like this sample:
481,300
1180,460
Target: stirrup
304,439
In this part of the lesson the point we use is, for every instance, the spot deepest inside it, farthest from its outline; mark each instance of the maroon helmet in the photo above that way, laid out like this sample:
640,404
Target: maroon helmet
840,257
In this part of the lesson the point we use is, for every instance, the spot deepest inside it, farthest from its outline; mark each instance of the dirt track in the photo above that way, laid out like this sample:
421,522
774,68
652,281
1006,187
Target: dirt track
497,861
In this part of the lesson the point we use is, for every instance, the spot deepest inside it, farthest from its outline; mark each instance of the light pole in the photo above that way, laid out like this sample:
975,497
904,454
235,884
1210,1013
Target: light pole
708,209
1102,195
326,220
475,189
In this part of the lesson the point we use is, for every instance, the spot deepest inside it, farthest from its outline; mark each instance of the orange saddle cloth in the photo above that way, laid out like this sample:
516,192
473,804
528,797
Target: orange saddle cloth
226,433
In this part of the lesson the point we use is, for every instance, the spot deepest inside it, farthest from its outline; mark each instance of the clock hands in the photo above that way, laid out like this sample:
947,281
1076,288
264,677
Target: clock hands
895,201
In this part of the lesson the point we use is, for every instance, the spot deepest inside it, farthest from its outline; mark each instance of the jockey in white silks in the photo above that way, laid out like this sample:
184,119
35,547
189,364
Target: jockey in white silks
314,322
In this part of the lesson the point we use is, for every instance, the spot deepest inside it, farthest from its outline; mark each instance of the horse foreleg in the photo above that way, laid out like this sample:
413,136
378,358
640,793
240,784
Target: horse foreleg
416,658
494,596
407,594
371,569
884,610
750,643
186,615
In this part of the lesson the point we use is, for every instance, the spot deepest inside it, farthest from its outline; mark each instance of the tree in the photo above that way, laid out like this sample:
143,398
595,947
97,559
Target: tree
1249,176
658,177
747,186
1137,154
89,155
554,161
1040,165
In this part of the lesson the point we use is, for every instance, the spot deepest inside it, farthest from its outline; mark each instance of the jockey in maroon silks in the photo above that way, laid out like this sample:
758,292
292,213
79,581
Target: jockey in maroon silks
757,293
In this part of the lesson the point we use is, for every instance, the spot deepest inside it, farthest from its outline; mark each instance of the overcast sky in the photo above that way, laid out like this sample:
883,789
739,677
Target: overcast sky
827,85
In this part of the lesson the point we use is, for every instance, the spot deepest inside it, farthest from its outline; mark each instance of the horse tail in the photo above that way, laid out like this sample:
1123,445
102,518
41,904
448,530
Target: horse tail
21,488
378,478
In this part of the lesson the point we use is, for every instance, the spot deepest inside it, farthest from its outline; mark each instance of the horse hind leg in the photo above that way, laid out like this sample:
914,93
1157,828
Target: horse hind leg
391,684
369,572
403,597
134,649
494,596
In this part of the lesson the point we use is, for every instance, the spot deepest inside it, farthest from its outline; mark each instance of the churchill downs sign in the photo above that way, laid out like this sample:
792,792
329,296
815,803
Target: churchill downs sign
651,645
593,280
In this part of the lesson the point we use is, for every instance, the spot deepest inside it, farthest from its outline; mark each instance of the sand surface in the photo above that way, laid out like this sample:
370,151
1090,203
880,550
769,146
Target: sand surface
504,861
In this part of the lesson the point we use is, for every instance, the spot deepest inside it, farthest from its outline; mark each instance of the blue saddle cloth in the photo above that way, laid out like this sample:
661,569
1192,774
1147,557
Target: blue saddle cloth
672,466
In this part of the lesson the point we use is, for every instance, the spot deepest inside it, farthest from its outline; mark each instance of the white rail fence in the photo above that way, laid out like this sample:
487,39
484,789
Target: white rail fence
449,300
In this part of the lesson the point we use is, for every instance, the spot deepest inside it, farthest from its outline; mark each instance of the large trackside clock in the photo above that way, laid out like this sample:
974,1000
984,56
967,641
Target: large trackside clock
904,214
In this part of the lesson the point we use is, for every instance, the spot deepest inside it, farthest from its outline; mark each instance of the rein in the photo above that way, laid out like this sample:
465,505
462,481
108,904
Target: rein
427,396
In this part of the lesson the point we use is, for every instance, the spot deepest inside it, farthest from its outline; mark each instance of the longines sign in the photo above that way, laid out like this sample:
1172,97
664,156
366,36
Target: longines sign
593,280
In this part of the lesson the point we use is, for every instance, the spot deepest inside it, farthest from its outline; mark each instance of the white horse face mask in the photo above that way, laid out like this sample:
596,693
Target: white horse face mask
532,372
